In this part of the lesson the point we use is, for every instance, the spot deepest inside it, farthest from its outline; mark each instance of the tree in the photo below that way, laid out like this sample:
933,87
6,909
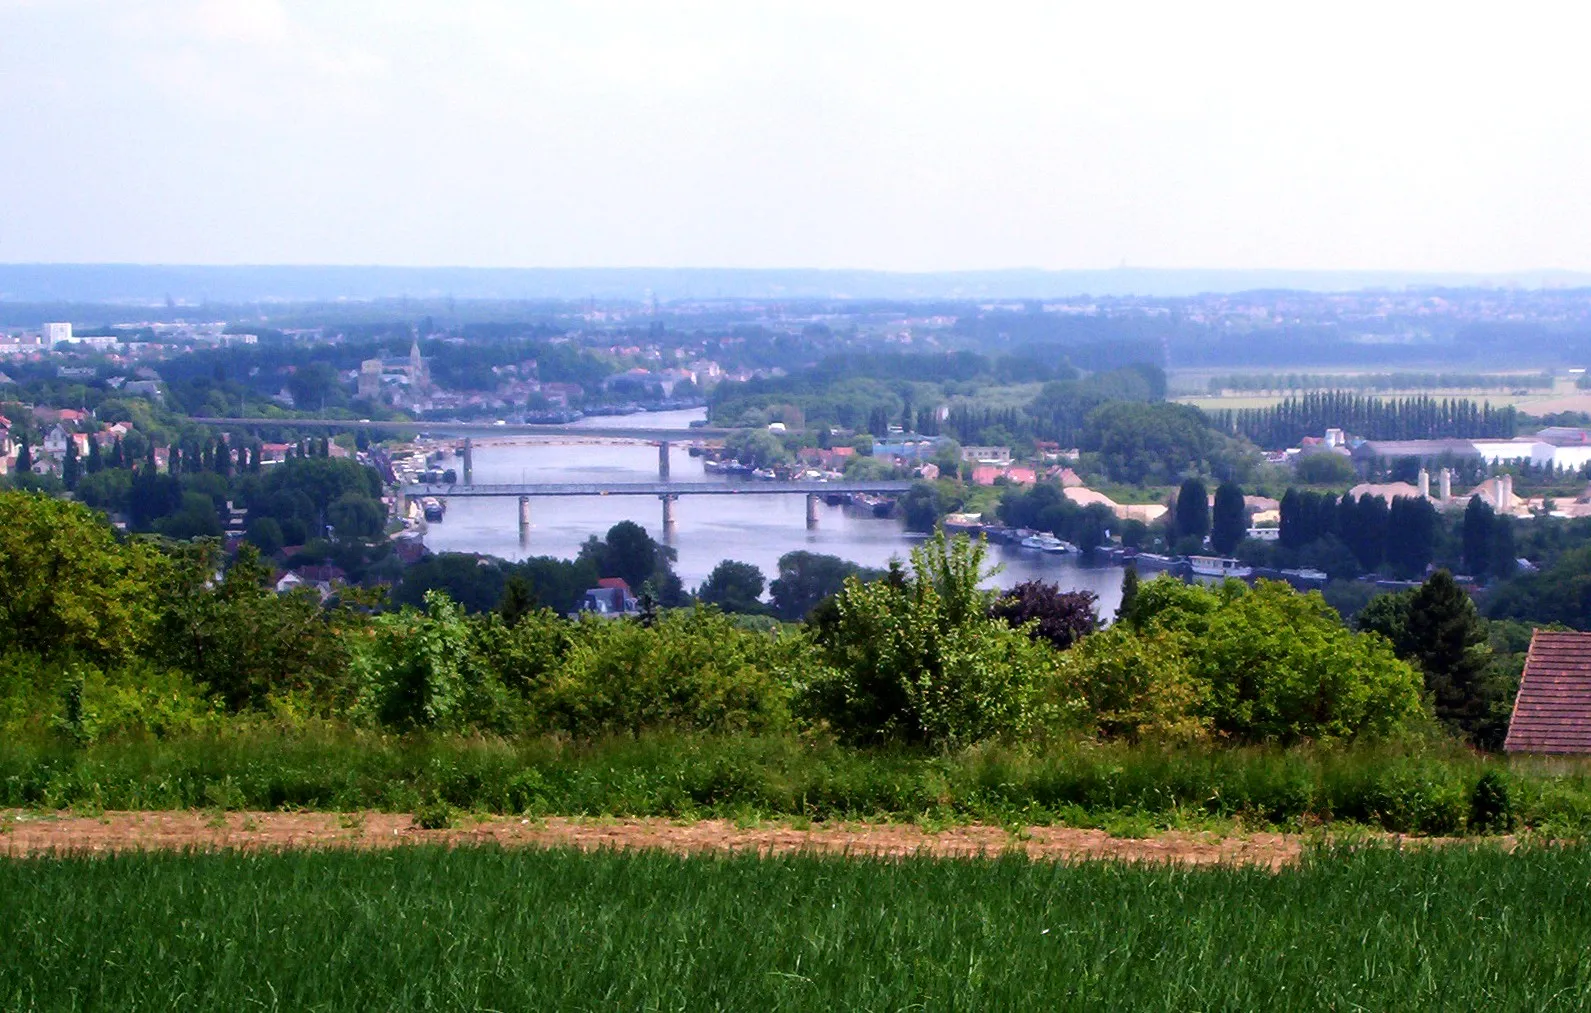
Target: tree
1447,638
1193,510
1476,536
734,587
806,578
24,458
68,586
1129,594
266,535
71,467
1059,617
93,462
631,554
519,599
918,658
1411,535
920,506
1229,522
1324,469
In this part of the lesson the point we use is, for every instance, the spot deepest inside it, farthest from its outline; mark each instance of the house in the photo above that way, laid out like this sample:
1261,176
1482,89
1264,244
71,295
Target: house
1552,713
986,455
611,597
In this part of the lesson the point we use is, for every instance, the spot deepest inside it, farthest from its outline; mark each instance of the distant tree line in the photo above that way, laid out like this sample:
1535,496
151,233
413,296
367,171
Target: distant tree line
1412,418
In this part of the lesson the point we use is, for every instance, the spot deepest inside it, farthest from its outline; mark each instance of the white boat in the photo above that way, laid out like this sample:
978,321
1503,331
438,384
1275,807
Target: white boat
1307,573
1047,543
1219,566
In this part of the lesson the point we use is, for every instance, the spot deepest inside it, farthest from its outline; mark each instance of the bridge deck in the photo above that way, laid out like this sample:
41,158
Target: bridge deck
659,489
483,428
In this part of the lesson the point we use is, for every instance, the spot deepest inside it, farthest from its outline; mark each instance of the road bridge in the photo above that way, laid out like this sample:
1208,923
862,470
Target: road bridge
647,434
667,492
663,436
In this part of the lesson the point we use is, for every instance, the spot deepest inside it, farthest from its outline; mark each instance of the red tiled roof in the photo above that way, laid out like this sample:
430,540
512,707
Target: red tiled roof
1552,713
612,582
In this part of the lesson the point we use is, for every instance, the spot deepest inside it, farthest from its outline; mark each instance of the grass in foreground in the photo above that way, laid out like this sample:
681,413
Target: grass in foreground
428,928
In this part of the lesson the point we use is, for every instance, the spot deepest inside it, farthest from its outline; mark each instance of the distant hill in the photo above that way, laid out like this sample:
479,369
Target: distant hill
154,283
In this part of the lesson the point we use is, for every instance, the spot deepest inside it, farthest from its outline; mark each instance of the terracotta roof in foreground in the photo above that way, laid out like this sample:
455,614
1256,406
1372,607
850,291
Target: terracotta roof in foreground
1552,713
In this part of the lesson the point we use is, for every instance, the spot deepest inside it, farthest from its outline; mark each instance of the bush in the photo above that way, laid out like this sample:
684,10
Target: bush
1059,617
917,658
692,669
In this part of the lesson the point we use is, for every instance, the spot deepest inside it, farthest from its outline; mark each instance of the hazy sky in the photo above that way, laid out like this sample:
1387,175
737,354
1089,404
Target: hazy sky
766,134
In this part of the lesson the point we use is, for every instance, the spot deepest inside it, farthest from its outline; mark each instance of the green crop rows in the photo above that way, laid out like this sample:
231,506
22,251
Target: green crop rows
1462,927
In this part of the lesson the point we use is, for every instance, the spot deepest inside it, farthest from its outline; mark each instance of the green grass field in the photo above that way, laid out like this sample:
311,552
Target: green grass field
1457,928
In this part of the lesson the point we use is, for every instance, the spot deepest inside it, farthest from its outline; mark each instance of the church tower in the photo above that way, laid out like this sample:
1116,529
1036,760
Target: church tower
419,375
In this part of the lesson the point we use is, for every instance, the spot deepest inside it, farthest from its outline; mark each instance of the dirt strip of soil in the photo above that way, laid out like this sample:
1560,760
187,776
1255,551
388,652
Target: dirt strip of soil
34,834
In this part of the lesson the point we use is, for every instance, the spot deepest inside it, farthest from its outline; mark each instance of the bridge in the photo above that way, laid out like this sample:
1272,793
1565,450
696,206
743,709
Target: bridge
668,492
648,434
663,437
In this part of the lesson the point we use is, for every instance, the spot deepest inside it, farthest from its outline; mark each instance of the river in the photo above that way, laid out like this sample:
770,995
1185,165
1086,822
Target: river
751,528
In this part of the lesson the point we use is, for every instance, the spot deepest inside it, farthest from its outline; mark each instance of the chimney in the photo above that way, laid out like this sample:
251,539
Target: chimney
1446,484
1425,484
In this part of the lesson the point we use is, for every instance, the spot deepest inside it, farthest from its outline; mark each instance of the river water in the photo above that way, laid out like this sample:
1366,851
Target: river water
751,528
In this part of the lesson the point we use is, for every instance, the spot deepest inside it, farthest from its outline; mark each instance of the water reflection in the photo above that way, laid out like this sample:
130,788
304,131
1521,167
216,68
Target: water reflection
752,528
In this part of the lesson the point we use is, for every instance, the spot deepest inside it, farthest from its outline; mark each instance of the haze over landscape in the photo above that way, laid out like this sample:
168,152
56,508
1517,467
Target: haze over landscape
884,136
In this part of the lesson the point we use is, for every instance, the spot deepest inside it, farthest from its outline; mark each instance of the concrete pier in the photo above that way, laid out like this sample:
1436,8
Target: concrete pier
668,515
524,520
812,511
662,460
469,461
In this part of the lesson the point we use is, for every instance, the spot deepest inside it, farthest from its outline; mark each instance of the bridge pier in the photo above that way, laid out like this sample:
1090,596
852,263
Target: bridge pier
668,515
662,460
524,520
469,461
812,511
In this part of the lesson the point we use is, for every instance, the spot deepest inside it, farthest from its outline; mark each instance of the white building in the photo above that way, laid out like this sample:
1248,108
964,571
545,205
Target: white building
56,332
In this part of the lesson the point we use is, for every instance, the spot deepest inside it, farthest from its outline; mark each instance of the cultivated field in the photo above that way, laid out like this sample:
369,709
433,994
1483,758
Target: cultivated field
1462,927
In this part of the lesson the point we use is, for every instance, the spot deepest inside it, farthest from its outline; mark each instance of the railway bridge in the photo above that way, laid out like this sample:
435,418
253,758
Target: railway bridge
665,491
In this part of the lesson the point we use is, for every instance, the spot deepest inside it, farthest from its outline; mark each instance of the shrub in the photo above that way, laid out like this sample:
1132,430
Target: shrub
692,669
417,670
1119,684
1059,617
917,658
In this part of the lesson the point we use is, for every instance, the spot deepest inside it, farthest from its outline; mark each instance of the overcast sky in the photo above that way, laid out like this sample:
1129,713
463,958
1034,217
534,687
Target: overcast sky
753,133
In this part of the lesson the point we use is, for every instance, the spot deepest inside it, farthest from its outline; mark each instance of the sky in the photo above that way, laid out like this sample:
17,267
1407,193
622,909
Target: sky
759,133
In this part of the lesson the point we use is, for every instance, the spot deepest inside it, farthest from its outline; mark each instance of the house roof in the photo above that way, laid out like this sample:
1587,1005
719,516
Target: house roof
611,582
1552,713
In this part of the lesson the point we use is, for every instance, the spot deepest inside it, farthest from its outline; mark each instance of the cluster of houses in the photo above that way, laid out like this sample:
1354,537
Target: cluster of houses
65,426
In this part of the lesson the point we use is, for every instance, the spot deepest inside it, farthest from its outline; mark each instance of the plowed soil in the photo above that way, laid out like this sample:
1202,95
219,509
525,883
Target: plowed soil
33,834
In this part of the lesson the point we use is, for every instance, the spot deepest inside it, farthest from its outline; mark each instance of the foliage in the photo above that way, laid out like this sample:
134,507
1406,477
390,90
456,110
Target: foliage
1047,613
1229,519
417,670
807,578
1410,418
239,638
1275,665
68,586
1192,515
734,587
917,657
1324,468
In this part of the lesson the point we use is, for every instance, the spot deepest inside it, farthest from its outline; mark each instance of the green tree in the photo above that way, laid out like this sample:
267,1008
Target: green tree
918,658
1448,640
628,552
519,600
24,458
1476,536
1193,510
1229,521
1129,594
67,586
807,578
734,587
71,467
